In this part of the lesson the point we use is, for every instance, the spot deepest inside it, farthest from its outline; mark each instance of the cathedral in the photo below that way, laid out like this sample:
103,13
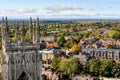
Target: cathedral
21,59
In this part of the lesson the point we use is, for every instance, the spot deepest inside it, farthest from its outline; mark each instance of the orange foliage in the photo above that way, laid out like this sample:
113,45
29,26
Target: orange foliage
50,45
109,46
75,48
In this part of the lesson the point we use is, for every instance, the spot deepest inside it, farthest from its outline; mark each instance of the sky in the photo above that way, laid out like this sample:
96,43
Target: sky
60,9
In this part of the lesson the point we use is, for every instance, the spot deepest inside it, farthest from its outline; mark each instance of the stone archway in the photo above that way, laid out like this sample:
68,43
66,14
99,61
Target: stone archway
24,76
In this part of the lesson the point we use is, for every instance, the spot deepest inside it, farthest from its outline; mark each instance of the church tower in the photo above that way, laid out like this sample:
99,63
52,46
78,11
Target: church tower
21,59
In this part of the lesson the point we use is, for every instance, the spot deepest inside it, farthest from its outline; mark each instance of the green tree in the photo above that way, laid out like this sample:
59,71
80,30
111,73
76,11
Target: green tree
43,33
98,67
114,34
55,63
94,67
61,41
69,43
69,66
116,70
106,67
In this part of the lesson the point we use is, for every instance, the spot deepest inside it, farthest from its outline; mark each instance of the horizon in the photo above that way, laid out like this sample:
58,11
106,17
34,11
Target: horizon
58,19
62,9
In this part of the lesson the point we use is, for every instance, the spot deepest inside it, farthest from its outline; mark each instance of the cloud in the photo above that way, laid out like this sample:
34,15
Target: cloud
111,15
28,11
117,2
85,15
91,9
63,8
55,12
72,15
110,7
17,12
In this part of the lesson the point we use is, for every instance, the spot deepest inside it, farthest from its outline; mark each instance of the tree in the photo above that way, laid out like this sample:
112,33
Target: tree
51,45
109,46
55,63
69,43
27,36
43,33
114,34
116,70
77,38
66,66
75,48
94,67
69,66
61,41
44,77
108,68
98,67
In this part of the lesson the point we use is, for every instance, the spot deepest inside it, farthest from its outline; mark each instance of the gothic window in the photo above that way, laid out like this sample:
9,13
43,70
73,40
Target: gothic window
18,61
4,61
40,56
27,61
93,54
33,58
99,54
102,54
23,76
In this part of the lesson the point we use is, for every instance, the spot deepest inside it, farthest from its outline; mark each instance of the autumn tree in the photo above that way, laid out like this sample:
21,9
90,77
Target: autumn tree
101,67
51,45
61,41
75,48
109,46
69,66
116,70
55,63
66,66
114,34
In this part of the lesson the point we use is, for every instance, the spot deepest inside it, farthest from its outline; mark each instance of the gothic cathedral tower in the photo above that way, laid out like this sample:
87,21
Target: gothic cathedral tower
21,58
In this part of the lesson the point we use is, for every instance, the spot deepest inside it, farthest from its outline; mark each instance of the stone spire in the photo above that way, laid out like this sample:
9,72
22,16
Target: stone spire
3,20
5,30
17,32
3,26
37,31
30,29
6,27
23,32
34,33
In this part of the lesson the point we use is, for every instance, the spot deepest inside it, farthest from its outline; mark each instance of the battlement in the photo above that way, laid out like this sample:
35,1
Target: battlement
18,46
21,47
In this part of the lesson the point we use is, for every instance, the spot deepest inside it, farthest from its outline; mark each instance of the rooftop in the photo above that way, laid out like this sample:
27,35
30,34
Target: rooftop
102,49
48,51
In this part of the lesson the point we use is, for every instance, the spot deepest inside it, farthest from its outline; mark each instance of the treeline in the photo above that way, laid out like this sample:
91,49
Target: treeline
94,67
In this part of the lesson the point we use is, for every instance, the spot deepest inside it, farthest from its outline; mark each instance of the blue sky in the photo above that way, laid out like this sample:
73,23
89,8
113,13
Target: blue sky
77,9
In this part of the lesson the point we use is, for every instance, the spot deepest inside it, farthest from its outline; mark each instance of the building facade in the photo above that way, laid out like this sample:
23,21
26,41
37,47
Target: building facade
104,53
49,54
21,59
